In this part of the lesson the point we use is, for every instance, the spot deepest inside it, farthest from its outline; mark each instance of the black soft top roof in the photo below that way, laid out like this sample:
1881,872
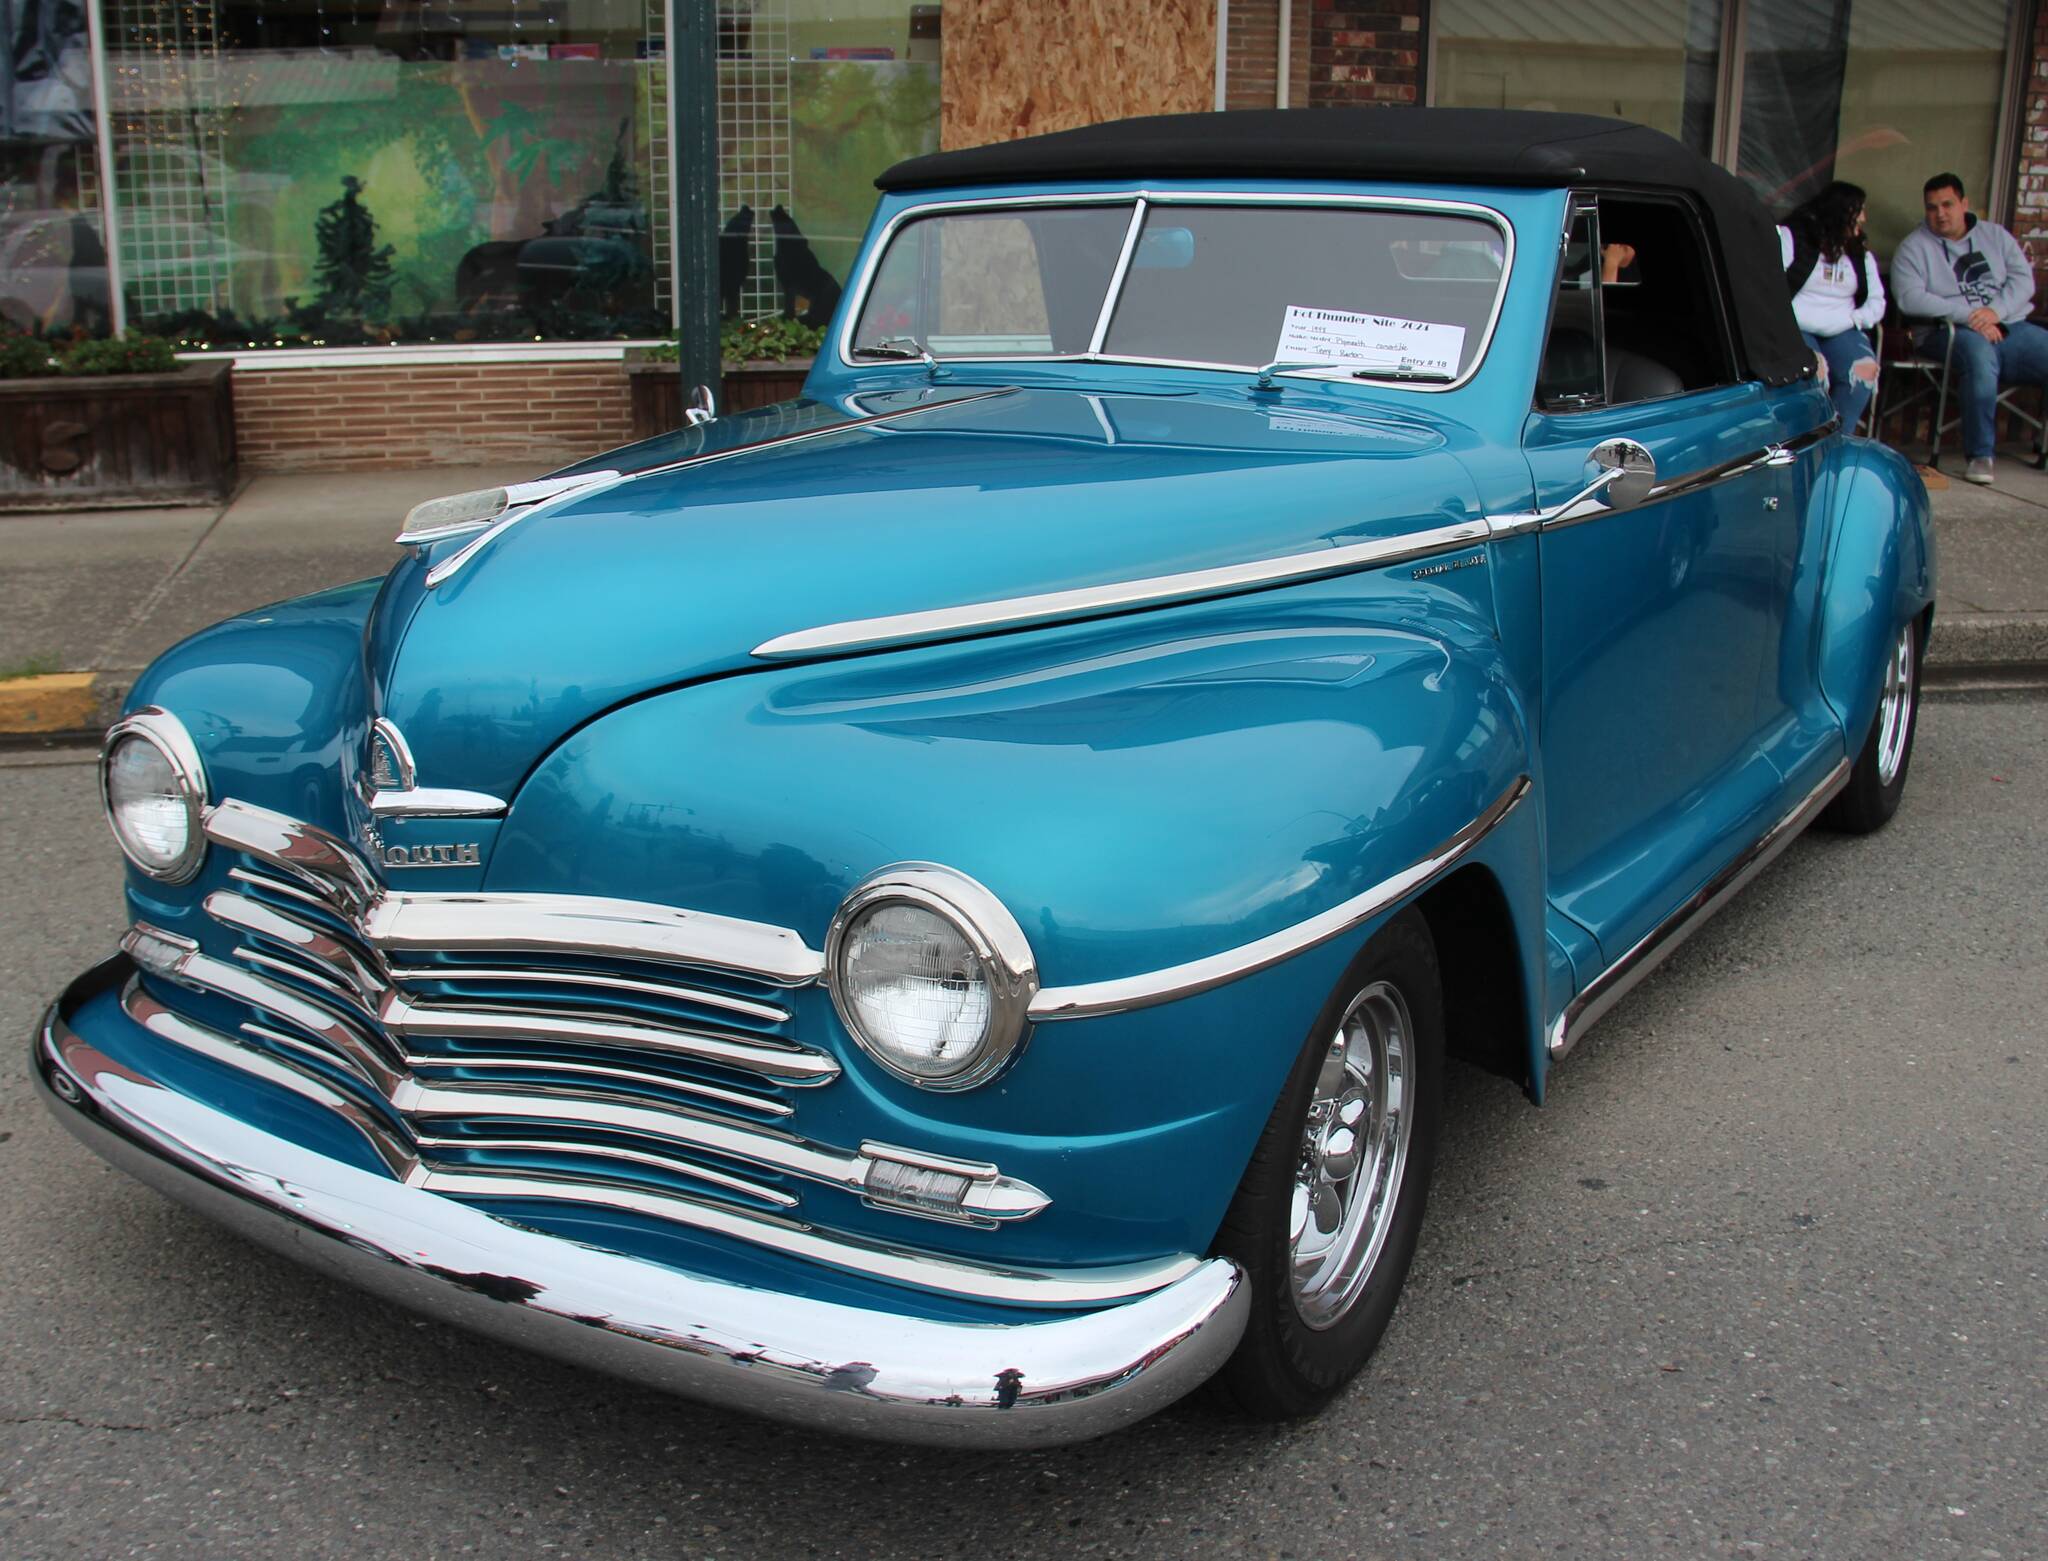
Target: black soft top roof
1466,145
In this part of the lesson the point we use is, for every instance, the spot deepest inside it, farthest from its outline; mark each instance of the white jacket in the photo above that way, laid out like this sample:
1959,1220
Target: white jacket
1826,305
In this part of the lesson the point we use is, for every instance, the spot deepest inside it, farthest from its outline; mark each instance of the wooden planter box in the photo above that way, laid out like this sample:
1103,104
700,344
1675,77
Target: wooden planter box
118,439
658,390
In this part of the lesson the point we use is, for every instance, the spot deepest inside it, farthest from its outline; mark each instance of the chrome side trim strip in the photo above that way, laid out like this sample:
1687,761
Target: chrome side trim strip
856,1370
1201,975
1608,988
435,802
1575,510
459,923
1122,596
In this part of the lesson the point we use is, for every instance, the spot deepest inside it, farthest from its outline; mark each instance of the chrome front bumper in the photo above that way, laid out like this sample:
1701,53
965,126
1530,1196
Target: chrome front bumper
841,1368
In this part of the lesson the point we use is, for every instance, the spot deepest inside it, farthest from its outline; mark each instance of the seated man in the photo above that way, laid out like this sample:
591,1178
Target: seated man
1973,275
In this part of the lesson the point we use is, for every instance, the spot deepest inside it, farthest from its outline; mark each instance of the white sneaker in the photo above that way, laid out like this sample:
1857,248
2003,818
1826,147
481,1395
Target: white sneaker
1979,470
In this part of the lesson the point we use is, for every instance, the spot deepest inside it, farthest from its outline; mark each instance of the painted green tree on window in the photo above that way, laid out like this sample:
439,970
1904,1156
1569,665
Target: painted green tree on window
354,274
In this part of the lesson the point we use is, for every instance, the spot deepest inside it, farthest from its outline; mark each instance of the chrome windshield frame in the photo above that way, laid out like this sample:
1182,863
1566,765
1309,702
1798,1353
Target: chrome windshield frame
1143,200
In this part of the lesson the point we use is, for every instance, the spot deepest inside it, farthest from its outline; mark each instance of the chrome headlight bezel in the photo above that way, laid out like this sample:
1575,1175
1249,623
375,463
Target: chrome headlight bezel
167,735
988,929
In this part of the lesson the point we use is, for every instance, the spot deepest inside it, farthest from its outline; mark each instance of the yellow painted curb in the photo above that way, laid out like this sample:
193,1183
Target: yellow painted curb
56,702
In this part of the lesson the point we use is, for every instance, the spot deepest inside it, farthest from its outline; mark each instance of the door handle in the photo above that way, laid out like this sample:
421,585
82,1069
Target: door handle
1778,455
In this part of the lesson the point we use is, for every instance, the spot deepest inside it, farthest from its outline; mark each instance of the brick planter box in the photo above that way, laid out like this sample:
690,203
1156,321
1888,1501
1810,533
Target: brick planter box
118,439
658,390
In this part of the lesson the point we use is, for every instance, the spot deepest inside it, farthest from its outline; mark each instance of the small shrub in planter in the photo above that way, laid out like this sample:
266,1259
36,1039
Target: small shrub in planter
113,421
766,361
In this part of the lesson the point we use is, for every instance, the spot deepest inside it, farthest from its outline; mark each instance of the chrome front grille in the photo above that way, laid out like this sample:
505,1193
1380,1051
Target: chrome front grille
540,1047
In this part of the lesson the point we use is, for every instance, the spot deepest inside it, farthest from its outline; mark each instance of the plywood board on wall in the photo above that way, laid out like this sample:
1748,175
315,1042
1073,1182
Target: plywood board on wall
1022,67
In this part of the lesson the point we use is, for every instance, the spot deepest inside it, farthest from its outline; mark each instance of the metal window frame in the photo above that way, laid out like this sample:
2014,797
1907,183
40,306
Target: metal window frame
2000,196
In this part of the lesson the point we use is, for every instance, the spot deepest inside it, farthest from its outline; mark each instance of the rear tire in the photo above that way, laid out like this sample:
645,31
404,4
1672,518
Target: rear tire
1879,779
1325,1221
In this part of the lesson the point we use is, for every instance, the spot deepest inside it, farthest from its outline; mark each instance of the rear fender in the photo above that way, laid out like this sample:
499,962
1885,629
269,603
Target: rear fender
1881,571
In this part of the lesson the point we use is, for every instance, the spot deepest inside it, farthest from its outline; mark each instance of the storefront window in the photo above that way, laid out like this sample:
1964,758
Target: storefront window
53,277
816,97
1883,93
1654,61
308,173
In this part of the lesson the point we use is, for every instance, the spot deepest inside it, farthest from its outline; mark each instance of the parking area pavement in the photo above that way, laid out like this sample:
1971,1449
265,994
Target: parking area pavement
1764,1278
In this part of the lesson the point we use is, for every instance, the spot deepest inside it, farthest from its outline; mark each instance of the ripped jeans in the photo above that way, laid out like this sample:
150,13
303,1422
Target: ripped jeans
1850,392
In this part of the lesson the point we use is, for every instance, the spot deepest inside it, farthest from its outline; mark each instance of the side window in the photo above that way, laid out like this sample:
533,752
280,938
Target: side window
1663,329
1571,377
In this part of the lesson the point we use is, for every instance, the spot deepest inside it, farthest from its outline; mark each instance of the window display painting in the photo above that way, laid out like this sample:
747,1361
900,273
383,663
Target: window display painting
471,200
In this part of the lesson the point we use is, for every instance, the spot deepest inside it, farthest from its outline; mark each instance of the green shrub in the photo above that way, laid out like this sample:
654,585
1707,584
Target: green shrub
751,341
134,353
24,357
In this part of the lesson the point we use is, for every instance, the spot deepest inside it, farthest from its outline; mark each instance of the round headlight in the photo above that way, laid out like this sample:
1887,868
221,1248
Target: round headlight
931,974
154,790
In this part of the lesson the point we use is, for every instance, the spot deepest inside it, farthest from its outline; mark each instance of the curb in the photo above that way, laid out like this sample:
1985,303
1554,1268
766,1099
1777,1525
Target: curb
53,703
1973,640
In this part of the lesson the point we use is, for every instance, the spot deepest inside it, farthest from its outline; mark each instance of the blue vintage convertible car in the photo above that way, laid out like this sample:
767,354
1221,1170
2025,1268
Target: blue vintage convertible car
938,910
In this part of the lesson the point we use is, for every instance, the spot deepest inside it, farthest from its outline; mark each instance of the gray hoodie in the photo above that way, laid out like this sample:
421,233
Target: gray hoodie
1935,278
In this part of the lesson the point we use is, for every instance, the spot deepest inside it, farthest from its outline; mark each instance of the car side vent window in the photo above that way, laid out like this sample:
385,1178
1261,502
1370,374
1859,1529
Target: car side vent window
1571,377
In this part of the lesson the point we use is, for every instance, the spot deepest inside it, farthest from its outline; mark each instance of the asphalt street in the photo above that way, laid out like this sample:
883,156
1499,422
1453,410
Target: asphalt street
1768,1276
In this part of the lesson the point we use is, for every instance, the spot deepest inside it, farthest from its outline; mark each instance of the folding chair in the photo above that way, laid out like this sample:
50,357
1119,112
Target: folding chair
1932,370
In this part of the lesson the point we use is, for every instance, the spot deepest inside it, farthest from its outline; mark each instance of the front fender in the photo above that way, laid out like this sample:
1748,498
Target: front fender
1881,571
1139,794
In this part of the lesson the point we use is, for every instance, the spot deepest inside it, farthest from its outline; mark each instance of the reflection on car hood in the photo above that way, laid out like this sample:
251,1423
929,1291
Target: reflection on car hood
679,572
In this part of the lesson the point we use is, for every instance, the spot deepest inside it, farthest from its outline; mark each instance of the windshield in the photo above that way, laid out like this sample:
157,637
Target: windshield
1378,290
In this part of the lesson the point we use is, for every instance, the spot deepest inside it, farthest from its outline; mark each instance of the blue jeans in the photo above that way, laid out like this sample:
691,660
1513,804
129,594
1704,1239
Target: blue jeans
1979,367
1850,394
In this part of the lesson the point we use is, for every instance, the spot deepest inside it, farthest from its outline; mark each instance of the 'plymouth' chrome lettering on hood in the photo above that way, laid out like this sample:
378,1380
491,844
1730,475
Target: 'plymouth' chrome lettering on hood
678,572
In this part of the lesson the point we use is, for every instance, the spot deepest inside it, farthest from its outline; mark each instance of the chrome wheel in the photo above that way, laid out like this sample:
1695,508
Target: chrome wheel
1895,709
1354,1148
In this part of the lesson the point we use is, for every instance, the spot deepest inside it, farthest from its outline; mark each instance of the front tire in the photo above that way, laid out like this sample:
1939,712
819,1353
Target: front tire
1325,1221
1879,779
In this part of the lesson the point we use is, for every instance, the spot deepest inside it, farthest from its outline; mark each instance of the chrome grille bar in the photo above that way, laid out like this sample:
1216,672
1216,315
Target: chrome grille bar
604,981
784,1064
873,1259
588,925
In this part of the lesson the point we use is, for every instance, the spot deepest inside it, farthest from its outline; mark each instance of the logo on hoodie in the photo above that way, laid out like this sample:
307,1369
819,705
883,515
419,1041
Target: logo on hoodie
1973,276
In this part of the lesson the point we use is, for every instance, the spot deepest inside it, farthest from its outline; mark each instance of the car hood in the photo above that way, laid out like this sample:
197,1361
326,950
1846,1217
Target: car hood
769,523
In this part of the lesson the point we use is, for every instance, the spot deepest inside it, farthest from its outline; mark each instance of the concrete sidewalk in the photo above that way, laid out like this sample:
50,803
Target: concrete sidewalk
89,599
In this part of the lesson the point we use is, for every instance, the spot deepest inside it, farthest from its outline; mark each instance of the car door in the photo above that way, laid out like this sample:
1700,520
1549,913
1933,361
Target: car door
1659,620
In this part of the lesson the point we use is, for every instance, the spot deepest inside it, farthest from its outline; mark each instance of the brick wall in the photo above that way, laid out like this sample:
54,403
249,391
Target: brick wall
2030,200
1252,54
351,419
1362,55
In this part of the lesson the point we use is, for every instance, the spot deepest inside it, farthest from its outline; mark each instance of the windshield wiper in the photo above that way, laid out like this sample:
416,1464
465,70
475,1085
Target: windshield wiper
906,348
1393,371
1402,371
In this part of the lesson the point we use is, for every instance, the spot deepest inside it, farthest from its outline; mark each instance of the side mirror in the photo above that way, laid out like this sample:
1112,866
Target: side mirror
1622,472
701,406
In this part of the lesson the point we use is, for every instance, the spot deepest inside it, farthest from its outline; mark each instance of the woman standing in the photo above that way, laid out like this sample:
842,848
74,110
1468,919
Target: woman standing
1836,293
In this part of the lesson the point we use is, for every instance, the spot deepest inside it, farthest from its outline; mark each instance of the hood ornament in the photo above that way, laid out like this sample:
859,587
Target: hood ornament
390,785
